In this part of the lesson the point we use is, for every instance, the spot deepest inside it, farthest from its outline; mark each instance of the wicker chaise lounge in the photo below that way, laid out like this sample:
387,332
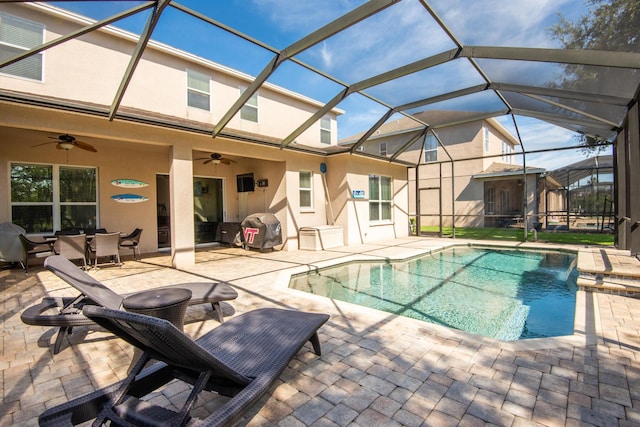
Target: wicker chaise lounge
240,358
66,313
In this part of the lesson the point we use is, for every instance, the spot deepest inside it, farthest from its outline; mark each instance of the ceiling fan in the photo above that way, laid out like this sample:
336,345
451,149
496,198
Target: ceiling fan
217,158
67,142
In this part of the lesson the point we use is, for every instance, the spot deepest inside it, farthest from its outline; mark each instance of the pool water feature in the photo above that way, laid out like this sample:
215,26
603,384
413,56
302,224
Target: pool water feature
498,293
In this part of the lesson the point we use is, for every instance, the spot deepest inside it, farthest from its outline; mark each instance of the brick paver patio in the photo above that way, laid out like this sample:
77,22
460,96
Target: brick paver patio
376,369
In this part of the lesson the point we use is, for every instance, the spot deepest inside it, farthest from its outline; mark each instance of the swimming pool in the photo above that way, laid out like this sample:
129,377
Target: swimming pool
499,293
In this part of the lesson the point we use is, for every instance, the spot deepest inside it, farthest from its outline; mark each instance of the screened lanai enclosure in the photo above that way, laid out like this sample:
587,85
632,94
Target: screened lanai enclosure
421,83
588,193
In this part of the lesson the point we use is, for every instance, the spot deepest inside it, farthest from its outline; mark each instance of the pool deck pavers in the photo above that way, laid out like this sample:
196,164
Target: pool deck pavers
376,369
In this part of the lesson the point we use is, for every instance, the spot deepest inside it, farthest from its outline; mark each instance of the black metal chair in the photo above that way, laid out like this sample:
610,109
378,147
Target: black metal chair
32,249
132,242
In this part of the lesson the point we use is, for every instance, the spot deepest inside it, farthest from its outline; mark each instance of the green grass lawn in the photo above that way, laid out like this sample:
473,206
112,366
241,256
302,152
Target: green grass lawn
517,235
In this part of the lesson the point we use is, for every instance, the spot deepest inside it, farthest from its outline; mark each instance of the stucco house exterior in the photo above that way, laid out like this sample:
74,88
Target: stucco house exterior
159,146
488,188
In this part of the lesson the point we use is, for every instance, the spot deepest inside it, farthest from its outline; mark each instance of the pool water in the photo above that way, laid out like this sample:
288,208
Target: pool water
503,294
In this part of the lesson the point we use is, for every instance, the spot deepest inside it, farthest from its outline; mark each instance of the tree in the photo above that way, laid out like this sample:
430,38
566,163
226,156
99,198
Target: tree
612,25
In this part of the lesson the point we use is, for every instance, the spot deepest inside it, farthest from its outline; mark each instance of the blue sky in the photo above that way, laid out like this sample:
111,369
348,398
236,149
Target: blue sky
399,35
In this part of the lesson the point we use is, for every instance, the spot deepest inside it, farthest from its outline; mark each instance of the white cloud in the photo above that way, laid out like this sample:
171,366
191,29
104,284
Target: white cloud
496,22
326,55
405,32
539,135
302,17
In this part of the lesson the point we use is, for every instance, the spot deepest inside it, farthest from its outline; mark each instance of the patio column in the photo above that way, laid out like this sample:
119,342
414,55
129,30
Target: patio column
181,191
621,194
633,142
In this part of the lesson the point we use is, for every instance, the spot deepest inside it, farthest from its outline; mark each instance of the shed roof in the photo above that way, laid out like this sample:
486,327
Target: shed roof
577,171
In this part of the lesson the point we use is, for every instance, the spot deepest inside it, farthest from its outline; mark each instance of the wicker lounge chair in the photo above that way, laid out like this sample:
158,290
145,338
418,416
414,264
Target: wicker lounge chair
65,313
240,358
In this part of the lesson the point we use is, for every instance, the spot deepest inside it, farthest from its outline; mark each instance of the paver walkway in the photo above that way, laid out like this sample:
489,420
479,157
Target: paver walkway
376,369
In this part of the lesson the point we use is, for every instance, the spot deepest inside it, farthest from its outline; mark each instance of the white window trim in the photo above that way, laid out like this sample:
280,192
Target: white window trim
430,150
248,104
326,129
486,139
188,70
55,203
42,54
382,149
309,189
379,200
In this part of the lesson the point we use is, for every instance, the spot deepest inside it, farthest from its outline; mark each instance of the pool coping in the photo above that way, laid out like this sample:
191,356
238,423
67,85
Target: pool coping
587,325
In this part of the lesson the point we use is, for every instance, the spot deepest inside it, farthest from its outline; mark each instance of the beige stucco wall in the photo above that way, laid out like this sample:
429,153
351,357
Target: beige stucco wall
141,151
346,173
462,141
90,69
116,160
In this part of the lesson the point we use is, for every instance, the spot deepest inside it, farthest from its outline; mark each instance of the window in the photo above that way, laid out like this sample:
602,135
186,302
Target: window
249,110
506,152
504,201
382,149
486,139
379,198
45,198
325,130
431,148
491,200
306,190
17,36
198,90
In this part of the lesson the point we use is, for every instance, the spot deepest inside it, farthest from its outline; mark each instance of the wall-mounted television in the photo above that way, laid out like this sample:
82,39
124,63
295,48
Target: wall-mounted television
245,182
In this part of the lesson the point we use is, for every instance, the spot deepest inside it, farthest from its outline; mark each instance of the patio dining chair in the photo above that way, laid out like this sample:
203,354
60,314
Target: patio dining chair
105,245
132,241
72,247
32,249
241,359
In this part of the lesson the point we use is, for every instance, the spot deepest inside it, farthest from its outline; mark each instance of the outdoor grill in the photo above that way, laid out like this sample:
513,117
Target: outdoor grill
261,230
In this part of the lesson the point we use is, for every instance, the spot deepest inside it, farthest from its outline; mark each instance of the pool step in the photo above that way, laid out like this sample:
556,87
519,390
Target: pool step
609,270
610,284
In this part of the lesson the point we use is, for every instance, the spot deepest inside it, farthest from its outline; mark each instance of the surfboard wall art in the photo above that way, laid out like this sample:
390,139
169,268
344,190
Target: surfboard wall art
129,198
128,183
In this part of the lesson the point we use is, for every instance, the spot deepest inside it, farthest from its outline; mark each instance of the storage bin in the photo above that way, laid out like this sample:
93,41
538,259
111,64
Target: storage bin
320,237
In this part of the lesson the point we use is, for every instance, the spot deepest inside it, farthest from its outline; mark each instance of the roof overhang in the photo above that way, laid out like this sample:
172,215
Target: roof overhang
508,174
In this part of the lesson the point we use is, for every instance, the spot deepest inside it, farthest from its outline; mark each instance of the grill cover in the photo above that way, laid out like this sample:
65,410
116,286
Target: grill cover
10,246
261,230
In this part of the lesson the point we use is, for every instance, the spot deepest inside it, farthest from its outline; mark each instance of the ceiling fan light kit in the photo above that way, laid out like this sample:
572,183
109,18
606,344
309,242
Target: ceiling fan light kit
67,142
216,159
